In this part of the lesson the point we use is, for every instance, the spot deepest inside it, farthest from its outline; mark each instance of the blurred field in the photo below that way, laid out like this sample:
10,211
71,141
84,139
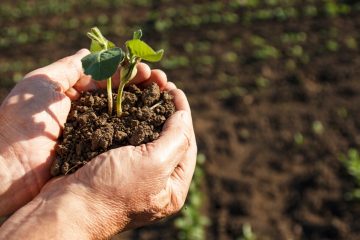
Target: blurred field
274,88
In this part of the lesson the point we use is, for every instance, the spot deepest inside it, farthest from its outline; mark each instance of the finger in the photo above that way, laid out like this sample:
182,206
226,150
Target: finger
157,76
143,73
180,100
86,83
66,71
174,141
177,135
72,93
107,167
184,170
169,86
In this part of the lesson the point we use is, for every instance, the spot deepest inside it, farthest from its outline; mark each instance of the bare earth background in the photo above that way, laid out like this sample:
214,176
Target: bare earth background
274,88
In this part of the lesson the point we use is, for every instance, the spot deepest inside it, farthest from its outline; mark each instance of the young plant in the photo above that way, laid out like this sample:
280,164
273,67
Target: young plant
105,59
137,50
351,162
247,233
192,222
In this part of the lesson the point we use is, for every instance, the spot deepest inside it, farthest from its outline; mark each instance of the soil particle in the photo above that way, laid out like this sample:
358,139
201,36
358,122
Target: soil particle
119,135
102,138
129,100
90,131
151,95
142,133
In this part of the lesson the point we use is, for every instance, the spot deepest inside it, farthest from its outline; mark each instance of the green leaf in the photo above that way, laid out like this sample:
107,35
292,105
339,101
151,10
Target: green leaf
142,50
103,64
95,46
96,34
137,34
98,41
110,45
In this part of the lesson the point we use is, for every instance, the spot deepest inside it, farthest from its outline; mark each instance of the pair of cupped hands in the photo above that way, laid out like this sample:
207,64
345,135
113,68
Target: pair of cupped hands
117,190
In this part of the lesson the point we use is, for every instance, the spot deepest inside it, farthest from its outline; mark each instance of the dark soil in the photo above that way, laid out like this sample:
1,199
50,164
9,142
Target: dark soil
255,172
90,131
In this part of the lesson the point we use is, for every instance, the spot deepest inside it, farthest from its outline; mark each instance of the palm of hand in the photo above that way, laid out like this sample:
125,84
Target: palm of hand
31,119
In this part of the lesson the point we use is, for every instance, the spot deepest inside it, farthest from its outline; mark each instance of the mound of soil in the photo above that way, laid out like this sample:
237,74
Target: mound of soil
90,131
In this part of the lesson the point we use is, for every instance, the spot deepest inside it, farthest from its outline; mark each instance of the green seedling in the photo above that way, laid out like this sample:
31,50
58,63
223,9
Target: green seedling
97,64
299,139
106,58
192,222
318,127
351,161
247,233
342,112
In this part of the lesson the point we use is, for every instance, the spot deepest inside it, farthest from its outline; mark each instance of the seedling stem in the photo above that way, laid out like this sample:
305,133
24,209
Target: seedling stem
127,73
119,99
109,95
109,89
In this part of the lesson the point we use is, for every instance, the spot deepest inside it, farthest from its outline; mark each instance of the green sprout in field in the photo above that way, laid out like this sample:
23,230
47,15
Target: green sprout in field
351,162
192,222
247,233
105,59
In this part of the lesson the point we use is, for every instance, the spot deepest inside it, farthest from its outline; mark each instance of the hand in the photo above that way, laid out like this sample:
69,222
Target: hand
31,118
122,188
135,186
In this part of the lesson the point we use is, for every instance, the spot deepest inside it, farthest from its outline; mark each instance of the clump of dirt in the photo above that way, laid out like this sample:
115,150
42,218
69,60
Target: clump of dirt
90,131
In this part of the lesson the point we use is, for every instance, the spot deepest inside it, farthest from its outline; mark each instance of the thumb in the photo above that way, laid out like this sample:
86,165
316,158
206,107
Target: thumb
177,136
66,71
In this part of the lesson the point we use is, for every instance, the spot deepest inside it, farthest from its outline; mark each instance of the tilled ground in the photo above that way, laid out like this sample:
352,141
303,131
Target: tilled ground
257,113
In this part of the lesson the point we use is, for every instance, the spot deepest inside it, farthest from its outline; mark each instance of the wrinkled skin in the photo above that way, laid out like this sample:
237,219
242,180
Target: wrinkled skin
126,187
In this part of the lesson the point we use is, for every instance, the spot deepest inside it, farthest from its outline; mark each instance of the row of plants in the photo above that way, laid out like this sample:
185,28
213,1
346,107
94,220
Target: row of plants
243,12
23,9
351,162
263,49
192,222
